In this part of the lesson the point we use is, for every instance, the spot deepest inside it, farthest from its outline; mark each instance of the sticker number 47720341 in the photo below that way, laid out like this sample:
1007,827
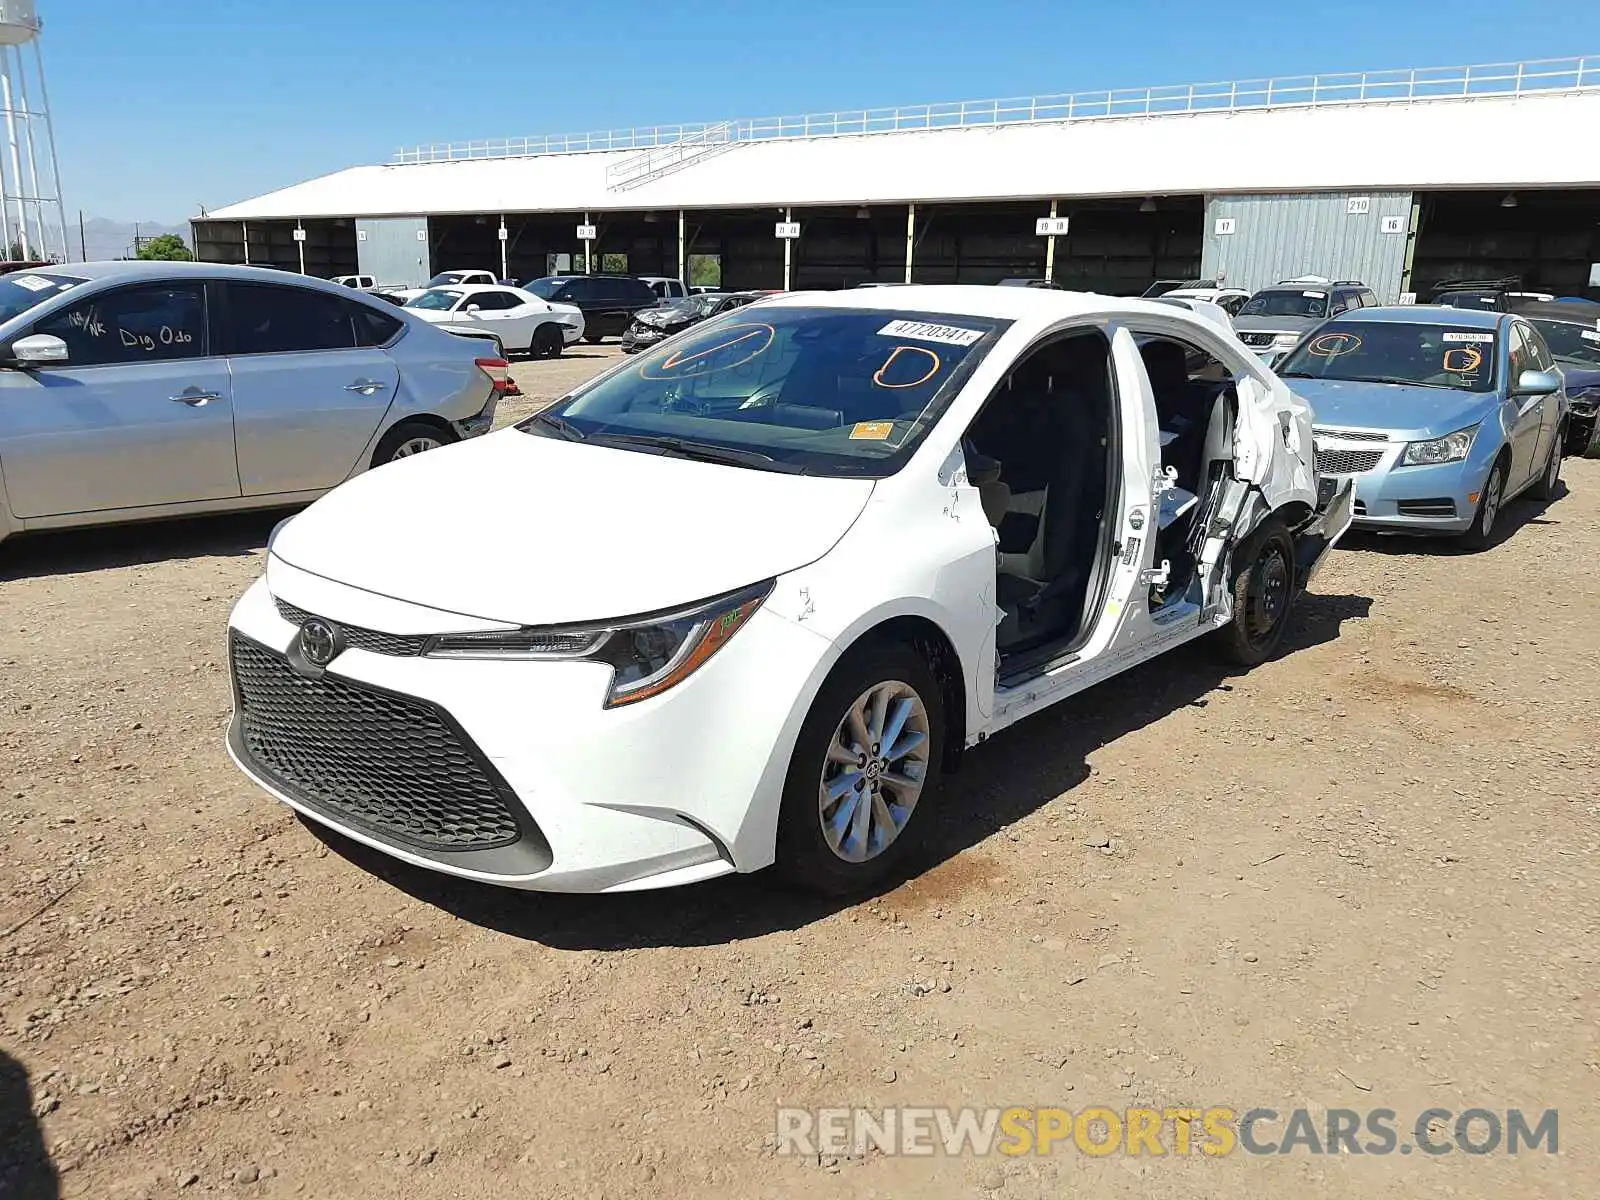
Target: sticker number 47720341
927,331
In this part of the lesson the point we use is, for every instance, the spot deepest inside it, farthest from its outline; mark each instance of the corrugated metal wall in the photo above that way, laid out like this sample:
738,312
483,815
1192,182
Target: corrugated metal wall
394,250
1339,235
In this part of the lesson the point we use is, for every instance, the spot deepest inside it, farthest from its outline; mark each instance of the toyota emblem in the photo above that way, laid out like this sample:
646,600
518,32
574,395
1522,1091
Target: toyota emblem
319,642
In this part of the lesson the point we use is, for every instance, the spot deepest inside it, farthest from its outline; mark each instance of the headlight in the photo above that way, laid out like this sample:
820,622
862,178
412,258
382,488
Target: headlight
646,656
1451,448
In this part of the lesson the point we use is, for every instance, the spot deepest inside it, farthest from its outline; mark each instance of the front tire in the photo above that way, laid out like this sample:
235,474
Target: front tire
1591,448
865,763
594,339
409,438
1481,533
1263,595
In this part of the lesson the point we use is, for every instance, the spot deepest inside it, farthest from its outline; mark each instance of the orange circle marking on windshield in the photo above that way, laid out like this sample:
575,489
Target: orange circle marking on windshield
1470,360
764,333
1332,345
877,376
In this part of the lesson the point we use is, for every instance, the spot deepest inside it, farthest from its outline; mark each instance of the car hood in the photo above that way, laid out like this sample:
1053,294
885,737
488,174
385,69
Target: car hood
1275,324
533,530
1579,379
1409,412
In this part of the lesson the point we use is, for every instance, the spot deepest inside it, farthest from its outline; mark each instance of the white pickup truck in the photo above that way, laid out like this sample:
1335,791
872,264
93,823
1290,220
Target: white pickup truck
446,279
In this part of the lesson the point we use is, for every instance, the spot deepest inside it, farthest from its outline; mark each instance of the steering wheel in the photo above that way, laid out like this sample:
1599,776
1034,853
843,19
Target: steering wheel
765,396
689,406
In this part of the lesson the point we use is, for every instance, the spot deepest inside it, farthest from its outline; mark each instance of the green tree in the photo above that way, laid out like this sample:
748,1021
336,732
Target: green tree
168,247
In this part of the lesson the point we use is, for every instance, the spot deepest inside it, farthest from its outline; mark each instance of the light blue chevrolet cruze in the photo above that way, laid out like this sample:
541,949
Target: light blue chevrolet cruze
1441,415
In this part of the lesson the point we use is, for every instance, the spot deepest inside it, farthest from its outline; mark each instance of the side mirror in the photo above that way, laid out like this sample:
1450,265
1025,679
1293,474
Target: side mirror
1529,383
474,308
39,350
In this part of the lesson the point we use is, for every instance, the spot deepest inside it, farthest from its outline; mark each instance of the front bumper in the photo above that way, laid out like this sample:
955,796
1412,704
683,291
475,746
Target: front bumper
640,337
681,787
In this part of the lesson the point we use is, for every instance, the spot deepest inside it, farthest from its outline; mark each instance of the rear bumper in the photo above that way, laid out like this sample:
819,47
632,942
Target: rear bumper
480,422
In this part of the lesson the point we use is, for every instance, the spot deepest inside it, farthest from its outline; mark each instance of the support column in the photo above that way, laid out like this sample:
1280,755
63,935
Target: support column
244,228
788,248
504,234
683,251
588,256
300,243
911,236
1050,249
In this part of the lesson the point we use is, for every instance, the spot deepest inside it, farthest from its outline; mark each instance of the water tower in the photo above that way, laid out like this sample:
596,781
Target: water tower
32,220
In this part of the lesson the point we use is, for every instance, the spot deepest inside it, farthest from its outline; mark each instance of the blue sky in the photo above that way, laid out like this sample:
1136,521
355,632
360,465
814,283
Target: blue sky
169,104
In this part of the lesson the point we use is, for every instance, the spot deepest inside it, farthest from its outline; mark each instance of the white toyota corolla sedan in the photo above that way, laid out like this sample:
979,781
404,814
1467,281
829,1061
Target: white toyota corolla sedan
744,598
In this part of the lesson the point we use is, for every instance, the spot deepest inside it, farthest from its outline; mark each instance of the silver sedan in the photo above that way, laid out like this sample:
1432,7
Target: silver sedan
139,390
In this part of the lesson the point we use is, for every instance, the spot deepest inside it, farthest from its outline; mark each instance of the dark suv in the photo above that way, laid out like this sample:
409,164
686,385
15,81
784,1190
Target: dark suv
607,302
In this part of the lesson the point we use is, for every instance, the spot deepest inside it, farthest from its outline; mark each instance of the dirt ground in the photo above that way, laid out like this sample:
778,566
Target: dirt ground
1362,876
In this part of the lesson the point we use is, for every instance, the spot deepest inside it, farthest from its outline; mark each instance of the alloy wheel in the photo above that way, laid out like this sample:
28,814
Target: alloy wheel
877,763
416,445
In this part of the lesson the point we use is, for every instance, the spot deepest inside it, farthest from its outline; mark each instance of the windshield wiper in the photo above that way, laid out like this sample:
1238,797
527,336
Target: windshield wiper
561,425
1398,382
1296,375
699,451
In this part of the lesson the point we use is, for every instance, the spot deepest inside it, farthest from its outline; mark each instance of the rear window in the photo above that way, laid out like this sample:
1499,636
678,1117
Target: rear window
822,390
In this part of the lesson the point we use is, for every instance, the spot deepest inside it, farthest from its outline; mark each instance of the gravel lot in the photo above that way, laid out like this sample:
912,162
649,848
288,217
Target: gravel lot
1361,876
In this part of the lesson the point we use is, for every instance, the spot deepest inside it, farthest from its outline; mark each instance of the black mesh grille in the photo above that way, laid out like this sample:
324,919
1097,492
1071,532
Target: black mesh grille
1347,462
357,638
393,764
1257,339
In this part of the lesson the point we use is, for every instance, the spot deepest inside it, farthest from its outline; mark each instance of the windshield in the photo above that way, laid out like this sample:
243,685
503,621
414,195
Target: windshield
1578,345
1286,303
445,277
440,300
825,391
545,289
1397,352
19,293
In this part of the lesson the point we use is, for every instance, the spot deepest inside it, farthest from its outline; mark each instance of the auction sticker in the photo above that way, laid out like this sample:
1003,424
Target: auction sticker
1589,335
1480,339
871,431
925,331
34,283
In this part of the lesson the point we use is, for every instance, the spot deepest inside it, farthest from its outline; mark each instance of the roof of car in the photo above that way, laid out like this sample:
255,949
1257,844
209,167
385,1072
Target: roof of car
1039,306
1426,314
141,269
1573,312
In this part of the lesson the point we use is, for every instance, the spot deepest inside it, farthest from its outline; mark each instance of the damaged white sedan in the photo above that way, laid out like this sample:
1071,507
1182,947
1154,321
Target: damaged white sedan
744,598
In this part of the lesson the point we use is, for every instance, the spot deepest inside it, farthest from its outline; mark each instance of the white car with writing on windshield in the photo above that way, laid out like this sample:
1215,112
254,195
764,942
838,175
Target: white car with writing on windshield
744,598
523,323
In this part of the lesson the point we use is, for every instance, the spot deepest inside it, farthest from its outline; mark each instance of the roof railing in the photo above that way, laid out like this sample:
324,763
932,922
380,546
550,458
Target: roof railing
1405,86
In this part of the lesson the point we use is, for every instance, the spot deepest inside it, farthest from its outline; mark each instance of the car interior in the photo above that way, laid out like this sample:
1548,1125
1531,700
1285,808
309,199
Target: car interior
1043,457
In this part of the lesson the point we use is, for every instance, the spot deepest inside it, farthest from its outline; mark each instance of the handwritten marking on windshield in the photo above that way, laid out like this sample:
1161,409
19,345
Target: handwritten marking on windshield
933,368
1332,345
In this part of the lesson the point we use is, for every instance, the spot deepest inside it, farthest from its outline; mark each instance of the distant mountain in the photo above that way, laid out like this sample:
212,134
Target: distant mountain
103,238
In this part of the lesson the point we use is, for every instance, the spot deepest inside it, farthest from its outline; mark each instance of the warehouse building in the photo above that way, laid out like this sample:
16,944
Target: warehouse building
1399,179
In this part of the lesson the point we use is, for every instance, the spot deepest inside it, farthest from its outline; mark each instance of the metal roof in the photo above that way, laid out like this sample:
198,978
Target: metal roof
1418,141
